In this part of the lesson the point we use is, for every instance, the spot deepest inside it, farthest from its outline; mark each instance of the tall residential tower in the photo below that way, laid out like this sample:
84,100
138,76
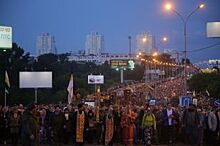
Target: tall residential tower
45,44
94,44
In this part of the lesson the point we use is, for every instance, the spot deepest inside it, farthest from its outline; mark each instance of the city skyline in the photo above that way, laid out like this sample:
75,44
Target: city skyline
70,21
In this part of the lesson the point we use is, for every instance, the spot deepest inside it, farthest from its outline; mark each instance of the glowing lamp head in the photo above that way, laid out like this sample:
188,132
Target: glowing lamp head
164,39
201,6
144,39
168,7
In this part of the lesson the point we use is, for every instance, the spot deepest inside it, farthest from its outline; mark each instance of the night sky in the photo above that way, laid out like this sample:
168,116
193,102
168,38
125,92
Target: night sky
71,20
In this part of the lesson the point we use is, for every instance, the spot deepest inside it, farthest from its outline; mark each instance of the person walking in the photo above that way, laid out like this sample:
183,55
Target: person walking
149,126
29,130
14,124
212,124
127,124
81,125
191,122
169,117
57,125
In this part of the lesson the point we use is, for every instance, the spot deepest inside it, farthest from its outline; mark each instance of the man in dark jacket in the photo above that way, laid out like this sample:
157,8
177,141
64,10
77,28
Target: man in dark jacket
191,122
4,124
29,127
57,124
67,127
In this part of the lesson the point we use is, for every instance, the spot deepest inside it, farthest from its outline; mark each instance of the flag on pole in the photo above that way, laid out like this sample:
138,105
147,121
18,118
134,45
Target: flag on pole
194,93
70,89
207,92
7,82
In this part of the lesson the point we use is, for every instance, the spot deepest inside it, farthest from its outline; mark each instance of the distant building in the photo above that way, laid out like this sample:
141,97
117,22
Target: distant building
214,62
174,54
100,59
45,44
145,43
94,44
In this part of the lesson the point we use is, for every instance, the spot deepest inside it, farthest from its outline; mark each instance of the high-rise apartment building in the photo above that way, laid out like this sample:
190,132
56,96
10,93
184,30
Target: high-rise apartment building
145,43
45,44
94,44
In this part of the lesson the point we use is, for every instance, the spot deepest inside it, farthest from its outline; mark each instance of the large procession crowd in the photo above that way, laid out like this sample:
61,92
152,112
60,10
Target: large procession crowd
127,122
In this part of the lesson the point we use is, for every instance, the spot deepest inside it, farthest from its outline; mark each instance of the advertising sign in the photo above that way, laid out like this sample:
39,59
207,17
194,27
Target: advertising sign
5,37
184,101
122,63
213,29
35,79
95,79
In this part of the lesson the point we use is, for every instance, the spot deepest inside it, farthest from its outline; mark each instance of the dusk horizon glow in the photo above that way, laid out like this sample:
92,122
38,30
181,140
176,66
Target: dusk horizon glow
71,20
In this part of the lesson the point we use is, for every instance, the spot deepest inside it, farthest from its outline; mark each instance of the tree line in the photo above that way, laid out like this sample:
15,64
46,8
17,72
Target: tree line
16,60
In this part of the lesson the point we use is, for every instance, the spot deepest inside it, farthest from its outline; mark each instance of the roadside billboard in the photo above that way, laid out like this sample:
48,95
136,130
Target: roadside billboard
213,29
35,80
95,79
5,37
122,64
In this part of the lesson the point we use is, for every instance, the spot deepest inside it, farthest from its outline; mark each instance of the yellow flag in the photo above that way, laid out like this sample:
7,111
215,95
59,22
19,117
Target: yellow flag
7,82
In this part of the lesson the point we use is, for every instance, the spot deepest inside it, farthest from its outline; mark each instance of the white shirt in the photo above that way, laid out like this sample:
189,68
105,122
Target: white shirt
169,112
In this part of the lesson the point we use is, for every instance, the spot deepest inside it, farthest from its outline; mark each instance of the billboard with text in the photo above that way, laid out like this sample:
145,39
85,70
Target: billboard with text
122,64
5,37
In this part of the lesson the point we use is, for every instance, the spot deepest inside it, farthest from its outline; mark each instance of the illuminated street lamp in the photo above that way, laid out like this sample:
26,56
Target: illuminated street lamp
144,39
169,7
164,39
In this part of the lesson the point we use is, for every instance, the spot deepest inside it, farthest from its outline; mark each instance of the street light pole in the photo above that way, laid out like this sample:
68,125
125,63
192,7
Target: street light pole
185,21
129,45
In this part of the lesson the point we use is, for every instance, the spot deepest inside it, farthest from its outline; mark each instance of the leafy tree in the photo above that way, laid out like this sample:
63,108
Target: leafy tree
16,60
201,82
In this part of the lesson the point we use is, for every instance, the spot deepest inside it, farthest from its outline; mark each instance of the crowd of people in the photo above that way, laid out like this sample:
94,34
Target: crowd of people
127,118
127,124
173,87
